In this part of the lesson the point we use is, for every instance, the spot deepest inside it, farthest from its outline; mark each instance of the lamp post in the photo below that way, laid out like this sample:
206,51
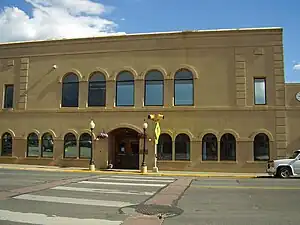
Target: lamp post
144,166
92,163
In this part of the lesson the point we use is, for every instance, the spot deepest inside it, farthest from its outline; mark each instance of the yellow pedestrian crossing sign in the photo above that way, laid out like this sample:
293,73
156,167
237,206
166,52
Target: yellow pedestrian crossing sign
157,132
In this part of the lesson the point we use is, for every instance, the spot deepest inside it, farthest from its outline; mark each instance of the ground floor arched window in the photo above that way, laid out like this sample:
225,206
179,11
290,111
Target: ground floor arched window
261,147
70,146
85,145
33,149
228,147
209,147
47,145
164,147
182,147
6,144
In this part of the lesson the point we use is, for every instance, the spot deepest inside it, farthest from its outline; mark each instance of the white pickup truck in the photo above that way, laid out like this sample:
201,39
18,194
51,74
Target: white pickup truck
285,168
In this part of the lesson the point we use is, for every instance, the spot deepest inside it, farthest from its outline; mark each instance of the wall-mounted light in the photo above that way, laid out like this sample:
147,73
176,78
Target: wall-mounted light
54,66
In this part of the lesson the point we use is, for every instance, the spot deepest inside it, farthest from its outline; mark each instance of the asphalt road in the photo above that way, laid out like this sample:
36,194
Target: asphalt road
80,198
234,202
11,179
88,200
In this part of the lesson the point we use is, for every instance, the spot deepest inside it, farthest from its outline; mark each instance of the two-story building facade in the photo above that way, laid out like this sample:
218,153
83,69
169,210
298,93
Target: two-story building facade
222,92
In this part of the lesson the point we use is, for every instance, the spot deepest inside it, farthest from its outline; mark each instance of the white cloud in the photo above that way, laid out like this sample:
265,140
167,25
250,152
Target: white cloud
296,67
53,19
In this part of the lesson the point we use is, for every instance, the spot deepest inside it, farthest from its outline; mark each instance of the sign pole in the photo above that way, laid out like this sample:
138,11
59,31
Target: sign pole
157,134
156,118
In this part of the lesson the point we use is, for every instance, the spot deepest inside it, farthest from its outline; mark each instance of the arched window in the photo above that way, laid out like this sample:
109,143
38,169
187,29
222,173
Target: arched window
209,147
47,145
85,145
70,91
97,90
70,146
154,88
125,89
6,144
33,149
182,147
261,147
184,88
164,147
228,147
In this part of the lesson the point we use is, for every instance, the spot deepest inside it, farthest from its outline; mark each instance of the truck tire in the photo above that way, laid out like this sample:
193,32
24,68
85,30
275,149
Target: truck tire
284,172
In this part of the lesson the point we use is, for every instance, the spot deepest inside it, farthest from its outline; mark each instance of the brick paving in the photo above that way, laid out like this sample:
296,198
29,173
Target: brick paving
167,197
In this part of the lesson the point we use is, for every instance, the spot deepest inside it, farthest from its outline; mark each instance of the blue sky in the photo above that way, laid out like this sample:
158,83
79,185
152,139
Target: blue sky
135,16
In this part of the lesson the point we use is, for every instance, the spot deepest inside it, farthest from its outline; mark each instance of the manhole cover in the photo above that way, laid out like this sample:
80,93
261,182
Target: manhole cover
159,210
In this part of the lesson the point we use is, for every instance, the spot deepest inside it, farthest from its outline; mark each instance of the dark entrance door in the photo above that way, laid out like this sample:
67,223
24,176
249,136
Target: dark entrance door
126,149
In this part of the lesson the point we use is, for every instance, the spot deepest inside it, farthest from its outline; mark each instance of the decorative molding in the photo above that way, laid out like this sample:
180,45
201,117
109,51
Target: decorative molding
123,69
185,66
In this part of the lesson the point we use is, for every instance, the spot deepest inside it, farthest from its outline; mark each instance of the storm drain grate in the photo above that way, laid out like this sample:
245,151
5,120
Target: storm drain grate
159,210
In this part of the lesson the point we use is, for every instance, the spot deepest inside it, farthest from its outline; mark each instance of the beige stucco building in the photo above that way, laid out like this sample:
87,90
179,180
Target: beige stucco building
222,92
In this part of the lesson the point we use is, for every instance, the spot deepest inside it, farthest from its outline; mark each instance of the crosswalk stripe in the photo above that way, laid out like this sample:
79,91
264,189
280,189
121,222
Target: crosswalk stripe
35,218
122,184
77,201
142,177
103,191
133,179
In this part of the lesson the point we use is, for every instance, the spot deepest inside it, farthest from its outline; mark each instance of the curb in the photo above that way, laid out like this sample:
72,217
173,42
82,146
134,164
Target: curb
133,173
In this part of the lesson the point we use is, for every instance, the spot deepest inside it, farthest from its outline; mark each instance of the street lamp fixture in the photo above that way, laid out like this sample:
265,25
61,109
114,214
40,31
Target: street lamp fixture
144,166
92,127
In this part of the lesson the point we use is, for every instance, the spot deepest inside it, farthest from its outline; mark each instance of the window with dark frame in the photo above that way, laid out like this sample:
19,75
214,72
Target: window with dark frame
125,89
154,88
228,147
260,91
182,147
261,147
33,149
97,90
70,146
47,145
70,91
6,144
85,145
164,147
183,88
209,148
8,96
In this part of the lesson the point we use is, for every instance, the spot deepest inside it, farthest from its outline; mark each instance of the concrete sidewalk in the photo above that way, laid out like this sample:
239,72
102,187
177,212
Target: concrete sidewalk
132,172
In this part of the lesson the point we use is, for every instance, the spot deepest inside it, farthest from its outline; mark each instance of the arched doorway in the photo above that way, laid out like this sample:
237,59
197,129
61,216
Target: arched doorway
124,148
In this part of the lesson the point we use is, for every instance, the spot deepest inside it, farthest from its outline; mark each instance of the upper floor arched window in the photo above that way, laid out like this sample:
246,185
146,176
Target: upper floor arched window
70,91
97,90
183,88
125,89
154,88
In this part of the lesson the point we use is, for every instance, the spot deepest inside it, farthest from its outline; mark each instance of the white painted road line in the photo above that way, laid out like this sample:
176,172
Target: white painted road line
122,184
134,179
76,201
102,191
142,177
35,218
